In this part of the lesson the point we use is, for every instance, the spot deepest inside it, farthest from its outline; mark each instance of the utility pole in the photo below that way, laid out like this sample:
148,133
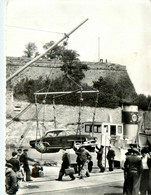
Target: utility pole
98,49
50,48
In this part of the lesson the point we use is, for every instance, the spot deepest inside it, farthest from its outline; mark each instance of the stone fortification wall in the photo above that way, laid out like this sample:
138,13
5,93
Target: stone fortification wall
51,69
43,67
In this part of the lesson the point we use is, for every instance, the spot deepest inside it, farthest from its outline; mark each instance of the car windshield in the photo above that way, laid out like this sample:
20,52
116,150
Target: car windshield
67,132
59,133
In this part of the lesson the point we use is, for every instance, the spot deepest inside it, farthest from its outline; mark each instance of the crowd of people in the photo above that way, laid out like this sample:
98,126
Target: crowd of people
137,171
85,163
137,168
17,169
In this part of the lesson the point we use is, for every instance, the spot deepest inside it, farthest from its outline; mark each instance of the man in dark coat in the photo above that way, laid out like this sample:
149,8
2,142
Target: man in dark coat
133,168
85,158
65,165
100,157
127,154
11,180
15,162
149,166
19,153
77,151
24,160
110,158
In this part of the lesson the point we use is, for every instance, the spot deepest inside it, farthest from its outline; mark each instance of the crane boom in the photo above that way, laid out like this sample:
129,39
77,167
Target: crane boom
50,48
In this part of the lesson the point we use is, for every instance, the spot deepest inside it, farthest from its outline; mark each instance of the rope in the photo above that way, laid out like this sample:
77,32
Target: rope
37,126
54,112
79,118
96,102
26,131
69,77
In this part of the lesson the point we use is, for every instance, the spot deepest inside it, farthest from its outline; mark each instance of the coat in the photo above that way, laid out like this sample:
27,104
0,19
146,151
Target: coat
66,160
11,181
133,163
110,154
15,163
99,154
24,159
84,156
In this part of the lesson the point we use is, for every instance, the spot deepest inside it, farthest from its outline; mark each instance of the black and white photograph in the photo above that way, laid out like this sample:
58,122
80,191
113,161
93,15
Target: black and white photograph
76,97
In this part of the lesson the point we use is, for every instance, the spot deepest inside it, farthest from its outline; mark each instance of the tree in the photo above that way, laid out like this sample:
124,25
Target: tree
143,102
31,50
55,52
72,65
107,94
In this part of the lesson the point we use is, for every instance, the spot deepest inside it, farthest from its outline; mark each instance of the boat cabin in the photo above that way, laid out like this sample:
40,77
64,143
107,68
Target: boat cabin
105,132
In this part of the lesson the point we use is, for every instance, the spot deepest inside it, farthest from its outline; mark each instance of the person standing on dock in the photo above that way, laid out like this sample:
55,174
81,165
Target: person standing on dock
85,157
100,157
24,160
144,185
133,169
15,162
110,157
65,165
11,183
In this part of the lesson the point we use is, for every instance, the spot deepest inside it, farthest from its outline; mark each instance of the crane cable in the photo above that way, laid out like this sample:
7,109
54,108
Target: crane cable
94,113
26,131
79,118
39,145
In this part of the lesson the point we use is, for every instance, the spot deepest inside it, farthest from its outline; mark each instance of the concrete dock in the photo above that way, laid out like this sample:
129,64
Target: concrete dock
97,183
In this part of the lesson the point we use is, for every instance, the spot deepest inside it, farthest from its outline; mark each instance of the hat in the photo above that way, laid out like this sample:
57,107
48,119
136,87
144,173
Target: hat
14,153
8,165
134,150
25,150
35,164
102,146
133,145
144,150
82,149
129,152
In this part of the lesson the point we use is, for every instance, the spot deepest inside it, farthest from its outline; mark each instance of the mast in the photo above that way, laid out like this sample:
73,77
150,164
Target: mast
98,49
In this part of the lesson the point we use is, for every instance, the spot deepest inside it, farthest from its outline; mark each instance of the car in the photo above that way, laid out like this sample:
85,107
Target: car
57,139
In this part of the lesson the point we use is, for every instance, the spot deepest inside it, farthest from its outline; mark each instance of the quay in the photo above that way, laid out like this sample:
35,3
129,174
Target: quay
107,183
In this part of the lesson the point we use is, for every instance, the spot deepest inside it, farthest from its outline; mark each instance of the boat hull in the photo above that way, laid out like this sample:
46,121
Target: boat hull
144,139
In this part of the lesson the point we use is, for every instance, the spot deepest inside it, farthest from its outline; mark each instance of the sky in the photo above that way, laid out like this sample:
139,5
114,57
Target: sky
116,30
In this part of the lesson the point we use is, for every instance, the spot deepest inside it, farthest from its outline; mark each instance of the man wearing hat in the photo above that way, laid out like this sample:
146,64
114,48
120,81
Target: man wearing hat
24,160
110,157
100,157
127,154
15,162
84,157
133,168
19,152
11,180
66,162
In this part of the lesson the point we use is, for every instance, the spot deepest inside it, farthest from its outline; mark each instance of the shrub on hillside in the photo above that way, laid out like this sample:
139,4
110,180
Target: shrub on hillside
111,94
